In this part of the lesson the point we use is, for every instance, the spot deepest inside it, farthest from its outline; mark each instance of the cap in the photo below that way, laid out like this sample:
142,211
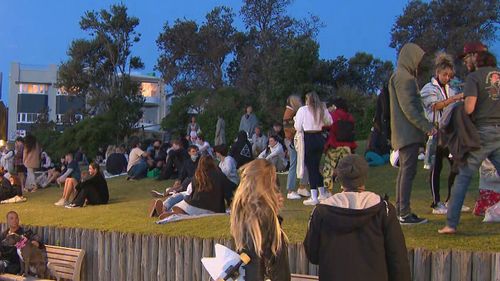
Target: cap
473,47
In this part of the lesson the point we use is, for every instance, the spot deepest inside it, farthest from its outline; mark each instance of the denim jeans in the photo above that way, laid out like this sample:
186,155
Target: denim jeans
291,182
172,200
490,148
139,170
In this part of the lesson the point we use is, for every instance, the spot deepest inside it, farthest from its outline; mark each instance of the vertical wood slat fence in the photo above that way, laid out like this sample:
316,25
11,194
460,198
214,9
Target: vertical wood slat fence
127,256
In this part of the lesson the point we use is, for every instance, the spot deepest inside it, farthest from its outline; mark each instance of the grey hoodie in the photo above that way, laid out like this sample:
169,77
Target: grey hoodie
408,122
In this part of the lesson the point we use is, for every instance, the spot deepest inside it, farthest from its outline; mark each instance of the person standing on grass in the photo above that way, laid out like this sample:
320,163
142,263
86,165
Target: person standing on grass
310,119
408,127
355,235
248,122
20,169
193,129
482,102
70,178
256,225
436,96
31,160
220,131
293,104
340,141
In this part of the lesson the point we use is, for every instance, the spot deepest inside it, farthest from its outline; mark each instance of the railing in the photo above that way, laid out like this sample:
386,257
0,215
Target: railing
129,256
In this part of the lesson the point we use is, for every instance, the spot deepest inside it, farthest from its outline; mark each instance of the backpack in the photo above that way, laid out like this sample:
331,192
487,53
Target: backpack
345,131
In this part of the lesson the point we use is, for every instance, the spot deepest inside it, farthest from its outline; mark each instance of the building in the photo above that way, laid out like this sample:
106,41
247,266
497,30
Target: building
33,90
3,115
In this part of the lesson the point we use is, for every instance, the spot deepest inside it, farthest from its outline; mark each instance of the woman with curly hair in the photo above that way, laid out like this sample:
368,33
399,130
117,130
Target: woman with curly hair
255,224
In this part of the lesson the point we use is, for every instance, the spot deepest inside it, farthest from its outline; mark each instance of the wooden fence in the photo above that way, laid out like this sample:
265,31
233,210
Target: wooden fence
127,256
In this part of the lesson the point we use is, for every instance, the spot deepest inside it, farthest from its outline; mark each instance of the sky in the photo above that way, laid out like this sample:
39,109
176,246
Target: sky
39,32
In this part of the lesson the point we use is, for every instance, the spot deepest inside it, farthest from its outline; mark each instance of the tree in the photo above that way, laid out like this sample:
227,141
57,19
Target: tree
446,25
99,68
191,56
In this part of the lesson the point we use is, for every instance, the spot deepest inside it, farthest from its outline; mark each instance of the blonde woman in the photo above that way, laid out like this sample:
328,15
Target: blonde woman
310,119
255,224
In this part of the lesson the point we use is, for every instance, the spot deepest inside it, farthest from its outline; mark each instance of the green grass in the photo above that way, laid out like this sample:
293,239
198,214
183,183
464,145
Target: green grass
127,212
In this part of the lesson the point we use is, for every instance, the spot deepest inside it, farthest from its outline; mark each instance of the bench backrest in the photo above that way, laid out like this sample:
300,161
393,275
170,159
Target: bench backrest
65,262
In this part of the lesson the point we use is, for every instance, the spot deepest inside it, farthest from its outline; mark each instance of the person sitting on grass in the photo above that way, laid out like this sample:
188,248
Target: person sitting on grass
69,179
360,224
9,260
210,188
92,190
116,162
7,190
275,154
137,167
176,156
256,225
227,164
185,176
52,174
259,141
203,146
241,150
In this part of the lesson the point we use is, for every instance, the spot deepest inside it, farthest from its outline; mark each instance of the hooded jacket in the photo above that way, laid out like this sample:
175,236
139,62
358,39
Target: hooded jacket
356,236
408,122
331,141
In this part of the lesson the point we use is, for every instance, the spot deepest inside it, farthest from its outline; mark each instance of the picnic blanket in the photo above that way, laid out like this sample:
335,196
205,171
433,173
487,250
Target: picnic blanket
180,217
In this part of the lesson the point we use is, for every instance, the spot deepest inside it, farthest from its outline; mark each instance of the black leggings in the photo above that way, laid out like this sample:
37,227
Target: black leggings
435,175
313,150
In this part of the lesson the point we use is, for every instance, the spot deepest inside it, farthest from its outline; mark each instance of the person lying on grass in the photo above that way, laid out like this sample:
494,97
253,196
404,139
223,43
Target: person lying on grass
355,234
93,190
211,189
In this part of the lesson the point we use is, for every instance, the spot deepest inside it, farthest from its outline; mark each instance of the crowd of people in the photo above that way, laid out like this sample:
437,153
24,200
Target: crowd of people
240,178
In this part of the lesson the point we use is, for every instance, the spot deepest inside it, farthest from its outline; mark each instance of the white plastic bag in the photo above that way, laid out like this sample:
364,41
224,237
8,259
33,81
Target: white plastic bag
492,214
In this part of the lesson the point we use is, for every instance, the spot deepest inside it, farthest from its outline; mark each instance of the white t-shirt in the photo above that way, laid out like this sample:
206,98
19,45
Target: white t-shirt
304,120
134,157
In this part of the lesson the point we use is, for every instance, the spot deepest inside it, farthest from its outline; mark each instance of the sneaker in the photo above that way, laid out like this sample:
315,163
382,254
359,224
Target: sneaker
303,192
61,202
463,210
293,195
311,202
157,194
421,157
439,209
71,206
411,219
324,196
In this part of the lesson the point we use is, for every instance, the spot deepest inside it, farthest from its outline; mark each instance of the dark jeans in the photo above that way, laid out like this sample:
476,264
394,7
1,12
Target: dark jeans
89,193
408,157
139,170
435,175
313,149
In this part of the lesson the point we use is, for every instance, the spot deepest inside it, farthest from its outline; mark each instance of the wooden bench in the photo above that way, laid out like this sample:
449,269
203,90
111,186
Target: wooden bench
64,263
300,277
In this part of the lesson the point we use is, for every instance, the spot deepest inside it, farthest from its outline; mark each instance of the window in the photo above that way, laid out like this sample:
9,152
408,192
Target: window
25,88
61,118
27,118
149,89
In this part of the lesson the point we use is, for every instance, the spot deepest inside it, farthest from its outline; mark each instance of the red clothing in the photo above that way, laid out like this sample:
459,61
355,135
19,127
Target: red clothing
331,141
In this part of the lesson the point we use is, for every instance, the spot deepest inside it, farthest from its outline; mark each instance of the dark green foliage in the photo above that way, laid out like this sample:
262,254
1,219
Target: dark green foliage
362,107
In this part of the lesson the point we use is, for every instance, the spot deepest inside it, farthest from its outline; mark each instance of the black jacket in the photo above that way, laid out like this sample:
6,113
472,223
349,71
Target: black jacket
459,135
241,150
94,190
116,163
9,254
357,244
276,268
212,200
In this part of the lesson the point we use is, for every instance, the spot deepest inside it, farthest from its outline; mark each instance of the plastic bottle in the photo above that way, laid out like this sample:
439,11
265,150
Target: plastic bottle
430,152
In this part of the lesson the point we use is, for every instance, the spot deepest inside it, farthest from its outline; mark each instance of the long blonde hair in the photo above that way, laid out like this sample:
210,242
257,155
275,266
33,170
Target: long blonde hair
255,204
295,102
315,105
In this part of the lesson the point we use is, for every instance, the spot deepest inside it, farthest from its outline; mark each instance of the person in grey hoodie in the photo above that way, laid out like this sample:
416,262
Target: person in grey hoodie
408,127
355,235
248,122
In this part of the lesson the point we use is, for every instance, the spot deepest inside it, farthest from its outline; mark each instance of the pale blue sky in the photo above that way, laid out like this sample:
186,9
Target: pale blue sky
39,32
